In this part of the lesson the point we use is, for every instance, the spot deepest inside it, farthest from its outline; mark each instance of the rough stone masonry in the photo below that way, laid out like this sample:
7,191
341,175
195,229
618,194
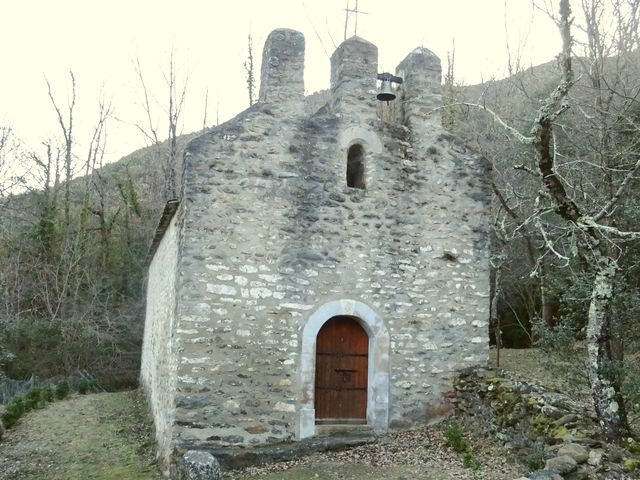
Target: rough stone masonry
293,215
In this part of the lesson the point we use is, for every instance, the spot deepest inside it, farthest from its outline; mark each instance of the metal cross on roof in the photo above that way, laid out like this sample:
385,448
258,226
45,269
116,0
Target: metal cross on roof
349,11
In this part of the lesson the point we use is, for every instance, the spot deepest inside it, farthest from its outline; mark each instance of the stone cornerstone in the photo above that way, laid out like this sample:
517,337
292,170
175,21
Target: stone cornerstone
291,216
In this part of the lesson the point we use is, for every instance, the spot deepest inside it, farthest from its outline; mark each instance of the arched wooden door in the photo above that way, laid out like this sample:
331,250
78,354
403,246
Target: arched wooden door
342,364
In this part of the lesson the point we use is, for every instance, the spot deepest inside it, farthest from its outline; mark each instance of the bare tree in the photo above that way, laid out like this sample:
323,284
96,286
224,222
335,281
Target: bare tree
572,214
449,94
176,101
173,113
10,153
97,185
71,250
66,125
206,109
249,68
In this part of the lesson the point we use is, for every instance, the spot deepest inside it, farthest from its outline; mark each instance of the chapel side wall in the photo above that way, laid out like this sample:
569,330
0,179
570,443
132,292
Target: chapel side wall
157,375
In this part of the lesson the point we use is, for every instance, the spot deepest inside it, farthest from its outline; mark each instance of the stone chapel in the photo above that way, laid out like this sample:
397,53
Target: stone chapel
326,264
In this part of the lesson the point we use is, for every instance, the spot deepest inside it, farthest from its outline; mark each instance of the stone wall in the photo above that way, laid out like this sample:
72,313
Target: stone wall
556,436
157,375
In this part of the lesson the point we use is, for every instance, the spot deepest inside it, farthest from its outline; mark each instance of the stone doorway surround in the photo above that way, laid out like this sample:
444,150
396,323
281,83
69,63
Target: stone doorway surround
378,375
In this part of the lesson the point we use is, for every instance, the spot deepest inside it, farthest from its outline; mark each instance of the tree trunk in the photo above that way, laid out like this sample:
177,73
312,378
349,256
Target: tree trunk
548,303
494,313
603,379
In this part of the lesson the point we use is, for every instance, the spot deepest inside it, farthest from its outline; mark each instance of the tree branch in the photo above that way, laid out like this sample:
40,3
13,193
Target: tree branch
587,223
519,136
610,206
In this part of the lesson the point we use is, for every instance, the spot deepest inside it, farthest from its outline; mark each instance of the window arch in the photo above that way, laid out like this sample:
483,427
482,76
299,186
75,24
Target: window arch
355,166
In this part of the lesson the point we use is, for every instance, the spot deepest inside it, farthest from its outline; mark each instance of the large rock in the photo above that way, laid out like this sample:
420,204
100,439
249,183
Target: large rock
579,453
579,474
569,419
198,465
561,464
545,475
595,457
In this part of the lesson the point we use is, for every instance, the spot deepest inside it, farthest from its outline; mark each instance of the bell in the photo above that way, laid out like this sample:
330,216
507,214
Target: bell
386,92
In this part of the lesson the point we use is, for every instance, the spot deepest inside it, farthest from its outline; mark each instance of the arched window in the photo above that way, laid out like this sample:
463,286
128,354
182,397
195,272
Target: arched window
355,166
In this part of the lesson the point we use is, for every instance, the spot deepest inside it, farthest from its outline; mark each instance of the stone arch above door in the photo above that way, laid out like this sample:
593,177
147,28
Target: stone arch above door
378,385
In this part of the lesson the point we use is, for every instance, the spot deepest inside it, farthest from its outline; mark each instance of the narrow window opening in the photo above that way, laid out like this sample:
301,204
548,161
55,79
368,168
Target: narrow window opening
355,166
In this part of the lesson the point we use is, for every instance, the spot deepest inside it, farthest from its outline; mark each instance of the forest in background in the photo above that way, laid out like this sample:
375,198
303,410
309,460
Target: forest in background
564,143
563,140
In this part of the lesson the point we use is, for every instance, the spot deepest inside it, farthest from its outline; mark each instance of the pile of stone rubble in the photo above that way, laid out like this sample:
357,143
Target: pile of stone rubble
551,433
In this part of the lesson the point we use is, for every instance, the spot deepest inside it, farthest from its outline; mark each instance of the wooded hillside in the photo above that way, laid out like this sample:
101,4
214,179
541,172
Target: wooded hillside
72,274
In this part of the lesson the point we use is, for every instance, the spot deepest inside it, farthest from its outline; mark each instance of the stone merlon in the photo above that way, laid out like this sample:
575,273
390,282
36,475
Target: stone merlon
421,71
421,90
282,75
355,59
354,67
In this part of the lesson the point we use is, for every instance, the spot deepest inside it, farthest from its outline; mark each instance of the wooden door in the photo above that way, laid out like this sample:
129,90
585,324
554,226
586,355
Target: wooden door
342,355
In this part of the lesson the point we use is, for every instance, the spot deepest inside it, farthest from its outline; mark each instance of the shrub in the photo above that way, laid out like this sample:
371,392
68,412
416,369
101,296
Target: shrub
50,348
46,394
62,389
433,150
84,386
454,439
32,398
15,409
470,461
535,461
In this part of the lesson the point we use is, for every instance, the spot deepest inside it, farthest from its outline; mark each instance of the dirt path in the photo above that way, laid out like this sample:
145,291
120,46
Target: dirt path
85,437
418,454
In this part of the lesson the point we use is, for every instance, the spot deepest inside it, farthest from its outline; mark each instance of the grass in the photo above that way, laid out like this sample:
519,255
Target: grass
99,436
37,397
454,438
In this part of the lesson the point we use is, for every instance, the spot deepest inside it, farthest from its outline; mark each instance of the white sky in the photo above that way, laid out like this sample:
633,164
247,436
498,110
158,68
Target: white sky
98,40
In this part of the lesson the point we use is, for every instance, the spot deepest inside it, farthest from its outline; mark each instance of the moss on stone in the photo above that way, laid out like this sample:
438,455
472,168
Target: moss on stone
630,465
507,399
559,432
542,424
632,445
530,400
